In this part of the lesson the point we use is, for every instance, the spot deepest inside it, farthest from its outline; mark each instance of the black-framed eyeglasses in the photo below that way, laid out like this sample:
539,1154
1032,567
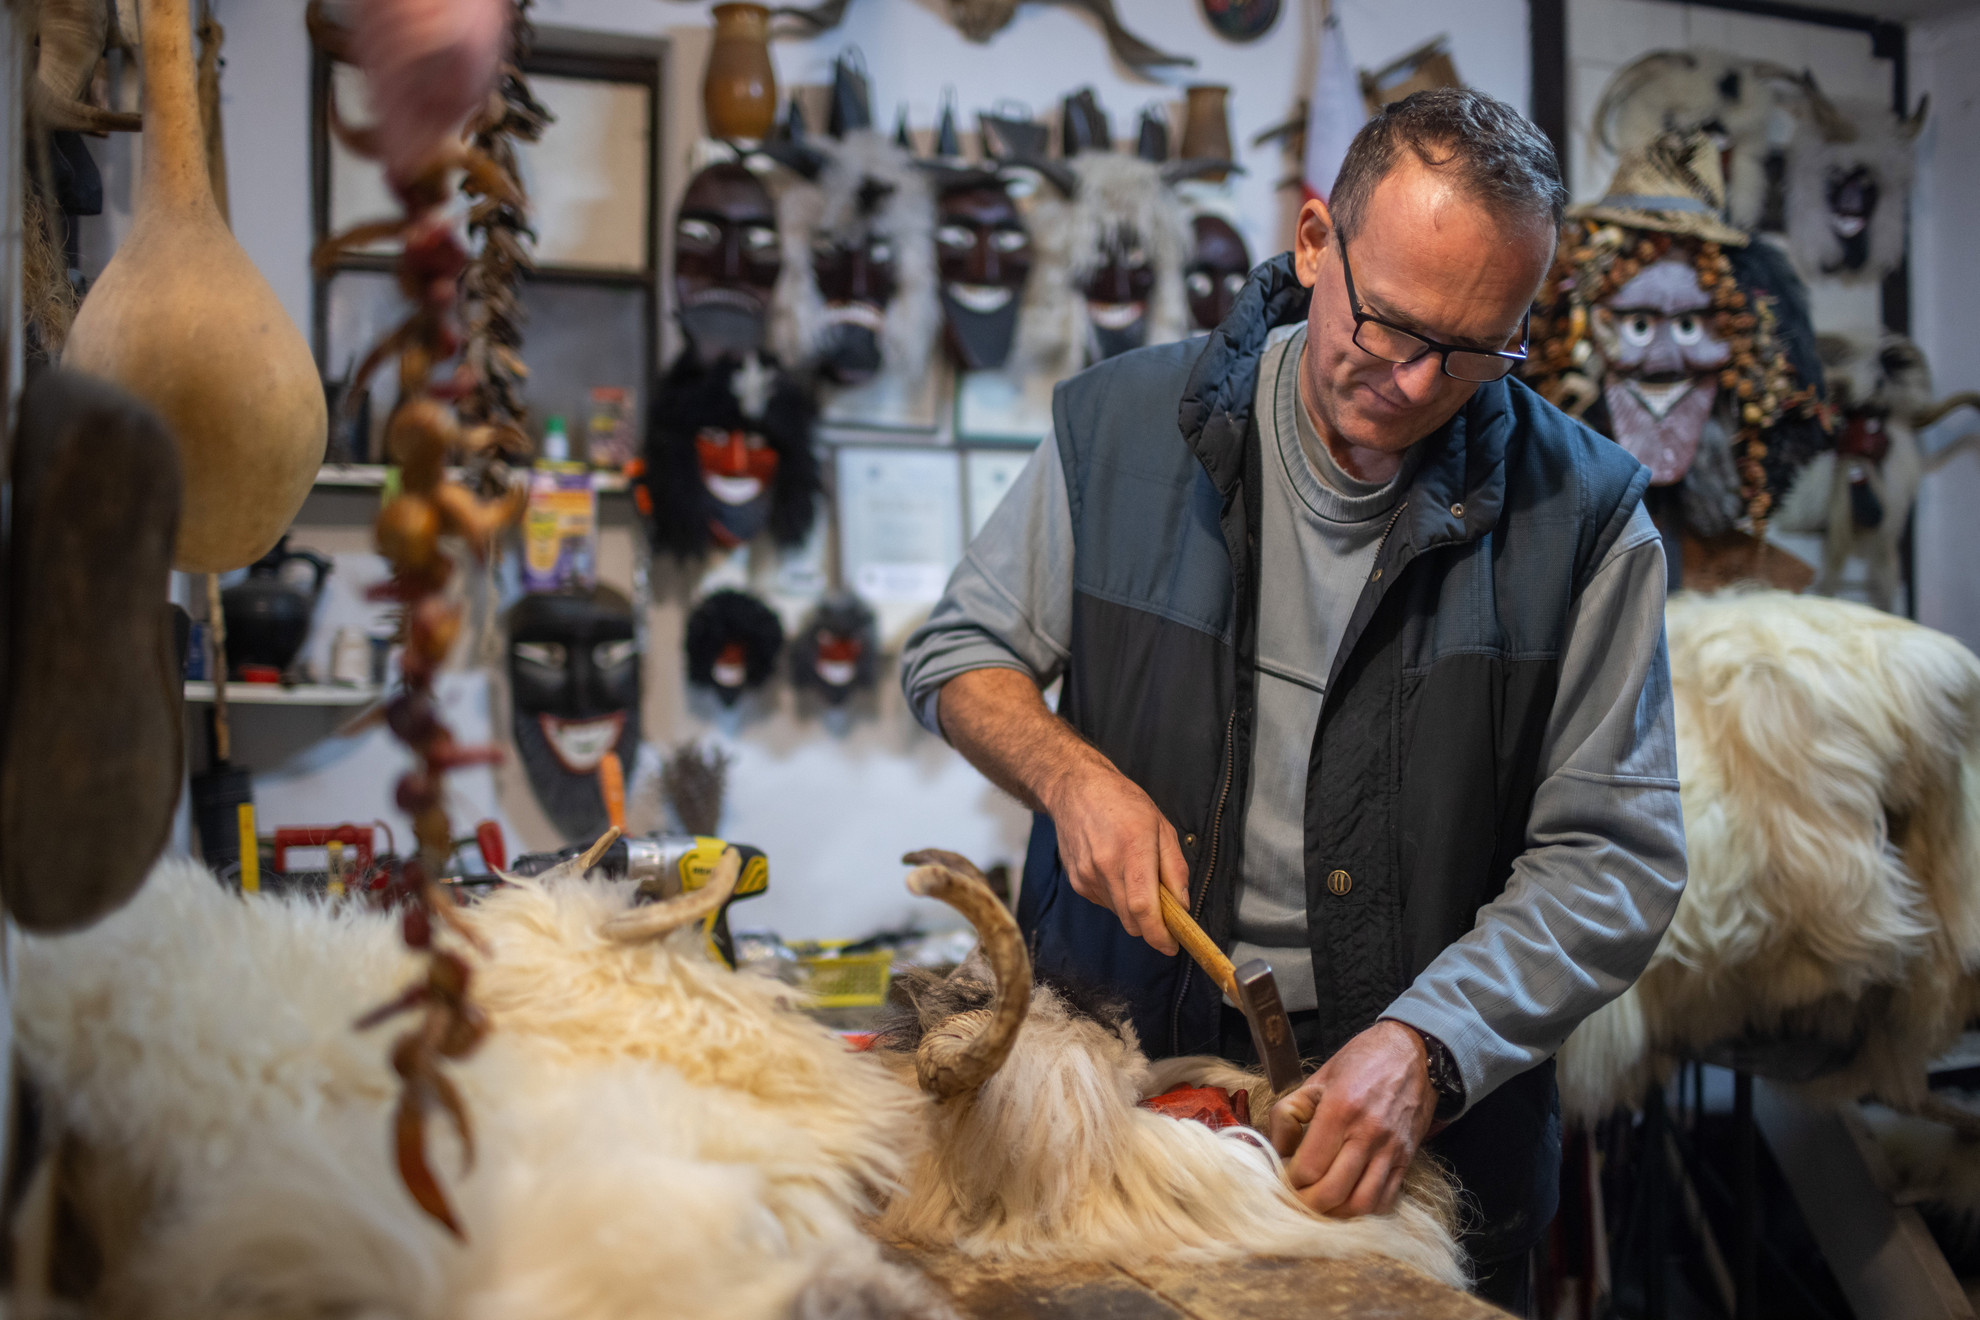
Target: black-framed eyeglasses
1390,343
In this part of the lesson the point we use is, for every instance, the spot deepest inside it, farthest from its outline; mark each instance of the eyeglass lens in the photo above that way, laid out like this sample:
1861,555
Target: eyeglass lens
1393,345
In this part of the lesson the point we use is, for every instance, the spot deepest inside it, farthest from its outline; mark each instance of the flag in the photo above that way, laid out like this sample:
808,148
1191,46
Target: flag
1335,111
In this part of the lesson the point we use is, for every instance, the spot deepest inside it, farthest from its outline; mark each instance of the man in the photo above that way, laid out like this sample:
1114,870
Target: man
1362,648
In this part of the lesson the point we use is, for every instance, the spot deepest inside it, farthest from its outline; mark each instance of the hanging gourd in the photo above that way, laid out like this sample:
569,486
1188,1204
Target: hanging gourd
182,319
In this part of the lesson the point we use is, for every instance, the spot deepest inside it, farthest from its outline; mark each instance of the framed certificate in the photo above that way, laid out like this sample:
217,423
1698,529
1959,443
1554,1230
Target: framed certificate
900,529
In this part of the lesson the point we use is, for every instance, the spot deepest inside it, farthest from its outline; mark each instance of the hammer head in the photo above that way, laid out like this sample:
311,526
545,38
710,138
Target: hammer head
1257,996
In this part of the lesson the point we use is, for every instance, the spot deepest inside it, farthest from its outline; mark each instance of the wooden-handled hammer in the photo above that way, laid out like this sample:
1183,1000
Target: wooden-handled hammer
1250,987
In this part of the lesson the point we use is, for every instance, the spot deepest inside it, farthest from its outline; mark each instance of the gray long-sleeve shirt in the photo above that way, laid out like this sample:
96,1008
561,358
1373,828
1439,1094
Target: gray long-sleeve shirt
1604,864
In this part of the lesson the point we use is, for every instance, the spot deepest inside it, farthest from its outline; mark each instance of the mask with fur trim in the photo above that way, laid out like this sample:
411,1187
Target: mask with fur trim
837,652
728,456
857,296
574,696
732,644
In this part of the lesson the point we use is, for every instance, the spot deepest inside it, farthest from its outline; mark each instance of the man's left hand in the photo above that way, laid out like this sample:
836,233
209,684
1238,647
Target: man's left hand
1350,1130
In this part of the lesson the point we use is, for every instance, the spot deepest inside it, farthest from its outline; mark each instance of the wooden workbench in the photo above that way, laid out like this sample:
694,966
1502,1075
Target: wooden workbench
1257,1289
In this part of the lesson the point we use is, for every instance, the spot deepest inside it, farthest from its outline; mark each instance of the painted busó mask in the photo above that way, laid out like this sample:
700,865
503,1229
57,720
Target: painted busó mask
732,644
855,273
726,261
574,696
1217,270
1117,293
1660,338
728,457
983,253
837,653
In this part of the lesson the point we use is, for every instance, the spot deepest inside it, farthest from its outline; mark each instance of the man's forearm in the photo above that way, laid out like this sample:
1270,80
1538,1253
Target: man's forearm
999,722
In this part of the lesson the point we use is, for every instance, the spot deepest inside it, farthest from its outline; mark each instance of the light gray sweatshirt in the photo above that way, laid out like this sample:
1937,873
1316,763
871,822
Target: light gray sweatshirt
1604,865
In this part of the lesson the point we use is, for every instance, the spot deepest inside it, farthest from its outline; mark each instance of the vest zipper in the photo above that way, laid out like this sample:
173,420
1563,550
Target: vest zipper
1379,545
1209,869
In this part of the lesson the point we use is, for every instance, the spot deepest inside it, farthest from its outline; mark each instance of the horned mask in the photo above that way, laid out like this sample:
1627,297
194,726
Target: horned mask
857,293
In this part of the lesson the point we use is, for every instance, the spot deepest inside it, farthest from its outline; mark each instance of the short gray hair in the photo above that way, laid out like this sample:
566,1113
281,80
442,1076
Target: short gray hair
1492,151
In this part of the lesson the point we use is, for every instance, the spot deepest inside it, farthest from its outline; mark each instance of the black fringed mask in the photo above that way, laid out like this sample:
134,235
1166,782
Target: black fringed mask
732,644
837,652
574,685
729,456
726,261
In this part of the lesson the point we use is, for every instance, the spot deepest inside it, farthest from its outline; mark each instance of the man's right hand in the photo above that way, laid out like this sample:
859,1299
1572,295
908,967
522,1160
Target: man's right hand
1117,846
1115,842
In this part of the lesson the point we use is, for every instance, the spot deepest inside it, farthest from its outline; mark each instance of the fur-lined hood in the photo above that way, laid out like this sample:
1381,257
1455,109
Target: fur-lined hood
1115,192
833,205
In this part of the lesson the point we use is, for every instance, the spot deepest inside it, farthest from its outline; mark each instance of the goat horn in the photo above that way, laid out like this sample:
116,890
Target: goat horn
1945,407
959,1056
943,857
670,914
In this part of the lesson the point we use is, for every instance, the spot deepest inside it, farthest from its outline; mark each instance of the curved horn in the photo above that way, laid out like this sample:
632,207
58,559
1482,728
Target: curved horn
670,914
943,857
959,1056
1627,81
1944,408
1833,124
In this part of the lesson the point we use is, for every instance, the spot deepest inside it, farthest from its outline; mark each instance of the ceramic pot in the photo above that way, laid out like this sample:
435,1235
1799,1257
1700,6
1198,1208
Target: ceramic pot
1207,127
267,618
739,92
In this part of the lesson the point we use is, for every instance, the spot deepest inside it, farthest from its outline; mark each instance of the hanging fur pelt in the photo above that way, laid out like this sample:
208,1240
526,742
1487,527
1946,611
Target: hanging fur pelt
1849,177
655,1134
1114,199
1830,762
867,188
1732,97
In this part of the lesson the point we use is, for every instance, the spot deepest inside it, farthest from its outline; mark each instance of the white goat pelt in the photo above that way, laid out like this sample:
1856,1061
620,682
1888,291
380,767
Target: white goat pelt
656,1135
1054,1158
832,207
1844,136
1735,98
1830,761
235,1132
1118,198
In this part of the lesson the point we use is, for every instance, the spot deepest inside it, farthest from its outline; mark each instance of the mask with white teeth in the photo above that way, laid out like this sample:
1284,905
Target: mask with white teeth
574,696
983,254
726,261
1661,341
1117,295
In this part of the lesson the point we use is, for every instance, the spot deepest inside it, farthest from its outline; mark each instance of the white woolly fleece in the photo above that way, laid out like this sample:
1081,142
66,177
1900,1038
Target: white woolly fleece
808,212
631,1160
1830,761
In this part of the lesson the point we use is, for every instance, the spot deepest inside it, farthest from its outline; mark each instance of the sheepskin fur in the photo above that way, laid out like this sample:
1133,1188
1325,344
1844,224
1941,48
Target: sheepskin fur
1054,1158
1069,235
655,1134
1830,762
1880,142
809,211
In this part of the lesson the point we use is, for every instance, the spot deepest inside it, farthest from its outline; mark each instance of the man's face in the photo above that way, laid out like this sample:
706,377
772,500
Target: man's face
1426,258
984,253
725,260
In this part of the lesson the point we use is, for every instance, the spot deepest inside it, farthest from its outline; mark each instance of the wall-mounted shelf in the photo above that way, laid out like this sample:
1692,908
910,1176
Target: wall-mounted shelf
274,694
359,476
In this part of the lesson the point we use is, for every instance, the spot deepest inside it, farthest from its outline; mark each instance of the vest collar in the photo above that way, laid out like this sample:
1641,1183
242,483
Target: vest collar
1459,488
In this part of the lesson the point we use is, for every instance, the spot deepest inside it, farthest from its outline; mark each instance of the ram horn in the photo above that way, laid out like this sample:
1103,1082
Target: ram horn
958,1056
1833,124
1945,408
640,924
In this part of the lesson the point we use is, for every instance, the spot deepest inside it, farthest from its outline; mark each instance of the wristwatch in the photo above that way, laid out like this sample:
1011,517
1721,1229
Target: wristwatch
1445,1079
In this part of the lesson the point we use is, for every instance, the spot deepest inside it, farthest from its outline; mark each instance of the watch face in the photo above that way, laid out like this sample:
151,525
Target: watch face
1241,20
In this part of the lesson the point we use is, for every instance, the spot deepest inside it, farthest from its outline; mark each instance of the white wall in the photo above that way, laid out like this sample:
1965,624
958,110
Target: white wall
1945,292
